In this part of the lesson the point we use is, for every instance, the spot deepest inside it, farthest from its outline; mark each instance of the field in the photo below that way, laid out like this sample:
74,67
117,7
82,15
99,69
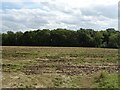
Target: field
70,67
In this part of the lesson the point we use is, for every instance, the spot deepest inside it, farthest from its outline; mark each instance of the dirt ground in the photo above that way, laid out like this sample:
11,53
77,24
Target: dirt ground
70,67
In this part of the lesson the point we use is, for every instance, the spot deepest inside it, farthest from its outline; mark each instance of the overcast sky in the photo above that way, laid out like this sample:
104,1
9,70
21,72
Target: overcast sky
20,15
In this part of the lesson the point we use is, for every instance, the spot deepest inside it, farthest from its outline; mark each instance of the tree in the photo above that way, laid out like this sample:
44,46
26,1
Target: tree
0,39
113,41
98,38
43,37
28,38
110,38
59,37
9,38
18,38
84,38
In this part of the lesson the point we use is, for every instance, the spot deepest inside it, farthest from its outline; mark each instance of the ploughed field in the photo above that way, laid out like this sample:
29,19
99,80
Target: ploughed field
70,67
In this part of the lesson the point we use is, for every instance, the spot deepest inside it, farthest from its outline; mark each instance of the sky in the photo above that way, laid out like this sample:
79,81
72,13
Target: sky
21,15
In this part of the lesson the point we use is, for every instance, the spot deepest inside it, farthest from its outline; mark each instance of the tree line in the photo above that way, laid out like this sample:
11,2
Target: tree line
109,38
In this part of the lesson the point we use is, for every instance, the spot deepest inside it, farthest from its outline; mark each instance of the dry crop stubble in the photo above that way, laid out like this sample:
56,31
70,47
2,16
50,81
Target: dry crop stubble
57,66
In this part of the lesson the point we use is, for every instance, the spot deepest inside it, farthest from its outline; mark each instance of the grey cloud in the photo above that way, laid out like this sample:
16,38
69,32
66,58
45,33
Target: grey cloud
109,11
18,20
60,7
55,15
12,26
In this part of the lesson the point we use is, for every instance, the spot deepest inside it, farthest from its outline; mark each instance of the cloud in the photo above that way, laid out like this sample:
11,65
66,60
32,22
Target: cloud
109,11
22,19
70,14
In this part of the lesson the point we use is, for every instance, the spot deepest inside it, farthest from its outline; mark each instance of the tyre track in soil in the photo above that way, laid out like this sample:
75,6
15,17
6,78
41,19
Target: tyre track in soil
61,67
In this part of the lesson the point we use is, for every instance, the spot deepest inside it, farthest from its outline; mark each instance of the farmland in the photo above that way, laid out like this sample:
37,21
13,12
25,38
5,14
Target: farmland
71,67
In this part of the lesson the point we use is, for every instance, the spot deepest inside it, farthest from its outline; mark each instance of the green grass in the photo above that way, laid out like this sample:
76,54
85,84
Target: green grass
106,80
59,67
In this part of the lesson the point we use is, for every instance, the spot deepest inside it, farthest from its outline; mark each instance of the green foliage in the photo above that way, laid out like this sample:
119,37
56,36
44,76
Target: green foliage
106,80
98,39
63,37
